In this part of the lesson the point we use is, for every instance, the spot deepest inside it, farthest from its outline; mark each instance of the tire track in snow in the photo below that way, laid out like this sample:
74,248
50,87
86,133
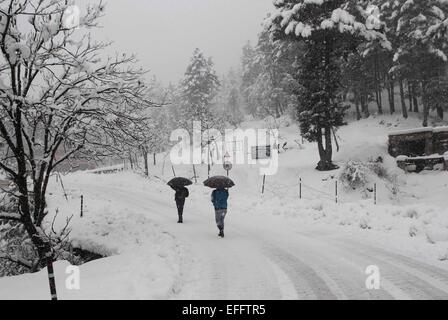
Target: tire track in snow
231,273
404,285
247,266
308,284
427,282
345,279
336,266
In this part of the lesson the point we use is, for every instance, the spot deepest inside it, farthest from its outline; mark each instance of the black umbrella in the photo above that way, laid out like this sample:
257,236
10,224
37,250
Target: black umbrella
217,182
179,182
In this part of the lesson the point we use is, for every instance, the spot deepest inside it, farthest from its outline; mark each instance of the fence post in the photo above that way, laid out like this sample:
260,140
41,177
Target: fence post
336,192
174,172
300,188
374,194
82,206
264,181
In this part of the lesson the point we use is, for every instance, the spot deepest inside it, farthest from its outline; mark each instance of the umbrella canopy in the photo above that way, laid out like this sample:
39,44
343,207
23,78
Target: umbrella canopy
217,182
179,182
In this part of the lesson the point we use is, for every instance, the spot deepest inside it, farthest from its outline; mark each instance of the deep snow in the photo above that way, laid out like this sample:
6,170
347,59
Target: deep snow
132,219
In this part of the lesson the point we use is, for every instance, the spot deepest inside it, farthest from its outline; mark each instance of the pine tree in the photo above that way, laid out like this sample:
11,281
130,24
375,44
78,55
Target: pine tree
230,99
197,91
418,30
250,71
330,30
270,89
359,81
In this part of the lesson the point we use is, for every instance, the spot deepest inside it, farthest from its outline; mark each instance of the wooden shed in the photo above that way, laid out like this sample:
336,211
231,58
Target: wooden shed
420,149
440,140
419,142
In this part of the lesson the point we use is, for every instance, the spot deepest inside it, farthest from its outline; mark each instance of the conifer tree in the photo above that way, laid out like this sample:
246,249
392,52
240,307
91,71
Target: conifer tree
197,91
330,30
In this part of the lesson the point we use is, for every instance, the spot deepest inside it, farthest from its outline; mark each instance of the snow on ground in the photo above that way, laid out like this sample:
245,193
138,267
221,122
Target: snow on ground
415,218
131,220
142,259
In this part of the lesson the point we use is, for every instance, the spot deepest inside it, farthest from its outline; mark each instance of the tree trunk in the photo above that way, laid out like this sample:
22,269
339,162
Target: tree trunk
145,160
131,161
415,97
358,111
403,101
440,112
365,106
392,97
278,107
155,158
320,146
380,101
325,152
425,105
378,87
328,145
410,96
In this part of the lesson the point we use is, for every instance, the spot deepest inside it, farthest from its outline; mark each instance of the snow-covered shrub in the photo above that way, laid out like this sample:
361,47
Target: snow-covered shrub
359,175
355,174
364,223
18,255
284,121
413,231
411,213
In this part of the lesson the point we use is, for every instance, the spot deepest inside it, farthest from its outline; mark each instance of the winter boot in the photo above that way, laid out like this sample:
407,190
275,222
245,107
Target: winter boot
181,220
221,233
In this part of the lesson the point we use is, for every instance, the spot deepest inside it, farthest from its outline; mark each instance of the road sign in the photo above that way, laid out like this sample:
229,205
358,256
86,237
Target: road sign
227,166
261,152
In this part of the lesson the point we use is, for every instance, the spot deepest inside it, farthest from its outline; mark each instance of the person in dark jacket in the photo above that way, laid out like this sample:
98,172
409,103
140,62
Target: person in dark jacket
219,200
181,194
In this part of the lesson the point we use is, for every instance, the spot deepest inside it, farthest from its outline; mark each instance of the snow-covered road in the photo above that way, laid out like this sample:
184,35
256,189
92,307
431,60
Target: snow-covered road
264,257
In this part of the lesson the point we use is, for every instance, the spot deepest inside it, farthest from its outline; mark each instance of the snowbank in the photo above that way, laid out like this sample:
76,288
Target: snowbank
405,225
142,260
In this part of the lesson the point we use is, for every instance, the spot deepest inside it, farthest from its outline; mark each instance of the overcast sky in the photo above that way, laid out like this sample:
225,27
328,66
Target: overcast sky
164,33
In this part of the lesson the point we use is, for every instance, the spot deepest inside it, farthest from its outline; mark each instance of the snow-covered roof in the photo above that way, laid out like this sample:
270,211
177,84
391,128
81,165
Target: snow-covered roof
434,156
441,129
418,130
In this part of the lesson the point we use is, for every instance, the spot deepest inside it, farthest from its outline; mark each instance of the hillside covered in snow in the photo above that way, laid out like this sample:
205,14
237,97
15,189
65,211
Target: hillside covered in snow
130,220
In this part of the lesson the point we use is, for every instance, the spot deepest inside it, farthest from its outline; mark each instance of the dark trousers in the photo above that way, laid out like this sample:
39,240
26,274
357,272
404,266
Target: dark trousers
220,215
180,208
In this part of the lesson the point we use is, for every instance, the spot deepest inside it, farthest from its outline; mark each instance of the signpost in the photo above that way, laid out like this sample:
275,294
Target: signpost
261,152
227,164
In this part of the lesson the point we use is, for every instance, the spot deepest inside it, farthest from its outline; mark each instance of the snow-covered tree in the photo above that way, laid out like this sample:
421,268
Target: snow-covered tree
418,31
58,100
359,83
229,101
330,30
250,72
156,136
197,91
272,90
268,79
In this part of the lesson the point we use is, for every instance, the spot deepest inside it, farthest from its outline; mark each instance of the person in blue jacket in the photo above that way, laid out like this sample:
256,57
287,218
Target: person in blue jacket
219,200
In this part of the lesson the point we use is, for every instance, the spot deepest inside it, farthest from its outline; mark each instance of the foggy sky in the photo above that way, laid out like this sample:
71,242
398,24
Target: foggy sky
164,33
